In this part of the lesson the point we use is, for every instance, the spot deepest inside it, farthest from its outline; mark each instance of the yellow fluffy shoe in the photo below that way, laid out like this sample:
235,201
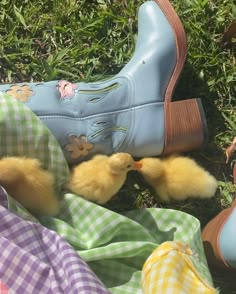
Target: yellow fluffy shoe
170,270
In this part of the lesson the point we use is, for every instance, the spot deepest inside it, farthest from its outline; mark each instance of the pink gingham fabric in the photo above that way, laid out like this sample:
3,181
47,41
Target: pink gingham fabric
3,289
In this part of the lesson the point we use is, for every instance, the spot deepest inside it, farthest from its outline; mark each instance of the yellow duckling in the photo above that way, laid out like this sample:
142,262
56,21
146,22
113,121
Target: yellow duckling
26,181
100,178
178,178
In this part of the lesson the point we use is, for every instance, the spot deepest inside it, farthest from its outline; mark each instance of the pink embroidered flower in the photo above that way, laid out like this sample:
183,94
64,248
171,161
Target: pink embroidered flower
78,146
21,93
66,89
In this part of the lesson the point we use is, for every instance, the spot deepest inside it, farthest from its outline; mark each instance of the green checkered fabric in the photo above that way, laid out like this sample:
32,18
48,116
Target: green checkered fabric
23,134
114,245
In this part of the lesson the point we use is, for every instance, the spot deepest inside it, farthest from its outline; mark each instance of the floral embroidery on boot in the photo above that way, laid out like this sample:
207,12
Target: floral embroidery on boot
21,93
66,89
78,146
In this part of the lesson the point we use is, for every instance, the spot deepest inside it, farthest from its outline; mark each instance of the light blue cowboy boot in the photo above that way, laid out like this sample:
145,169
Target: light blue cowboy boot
219,239
219,235
131,112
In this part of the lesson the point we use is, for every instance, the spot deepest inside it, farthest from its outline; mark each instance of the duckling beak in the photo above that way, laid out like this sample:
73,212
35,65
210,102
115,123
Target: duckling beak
137,165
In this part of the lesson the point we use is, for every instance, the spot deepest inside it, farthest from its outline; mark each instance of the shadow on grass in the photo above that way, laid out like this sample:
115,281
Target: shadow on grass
211,157
191,85
224,280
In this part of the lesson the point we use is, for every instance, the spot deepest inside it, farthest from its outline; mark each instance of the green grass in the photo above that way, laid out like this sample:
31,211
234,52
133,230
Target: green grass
69,39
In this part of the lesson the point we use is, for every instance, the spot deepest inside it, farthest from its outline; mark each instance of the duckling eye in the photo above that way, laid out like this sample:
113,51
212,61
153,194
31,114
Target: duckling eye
128,166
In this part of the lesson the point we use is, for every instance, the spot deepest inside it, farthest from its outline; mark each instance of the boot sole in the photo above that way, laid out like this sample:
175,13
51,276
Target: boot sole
185,123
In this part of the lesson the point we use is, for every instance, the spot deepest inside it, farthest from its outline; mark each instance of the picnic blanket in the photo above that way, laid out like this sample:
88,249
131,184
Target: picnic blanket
87,248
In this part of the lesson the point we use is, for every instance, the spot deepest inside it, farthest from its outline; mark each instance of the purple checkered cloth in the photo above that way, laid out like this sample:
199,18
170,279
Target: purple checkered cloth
34,259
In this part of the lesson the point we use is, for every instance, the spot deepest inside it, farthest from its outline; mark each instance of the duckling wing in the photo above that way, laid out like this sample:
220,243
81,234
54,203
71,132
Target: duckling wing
93,181
184,178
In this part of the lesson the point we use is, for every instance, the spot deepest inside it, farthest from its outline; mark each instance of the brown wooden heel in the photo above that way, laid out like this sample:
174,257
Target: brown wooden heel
185,126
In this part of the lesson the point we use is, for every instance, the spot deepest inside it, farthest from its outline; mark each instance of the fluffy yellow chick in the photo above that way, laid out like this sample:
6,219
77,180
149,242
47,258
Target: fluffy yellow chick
178,178
26,181
100,178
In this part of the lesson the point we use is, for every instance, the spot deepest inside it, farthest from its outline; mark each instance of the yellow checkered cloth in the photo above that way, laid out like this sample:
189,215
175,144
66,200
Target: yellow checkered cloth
169,270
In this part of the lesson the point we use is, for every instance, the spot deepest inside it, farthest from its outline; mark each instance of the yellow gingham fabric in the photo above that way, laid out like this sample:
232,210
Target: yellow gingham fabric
169,270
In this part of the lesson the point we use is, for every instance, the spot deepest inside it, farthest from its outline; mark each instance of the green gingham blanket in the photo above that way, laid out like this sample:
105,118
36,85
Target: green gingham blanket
114,245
